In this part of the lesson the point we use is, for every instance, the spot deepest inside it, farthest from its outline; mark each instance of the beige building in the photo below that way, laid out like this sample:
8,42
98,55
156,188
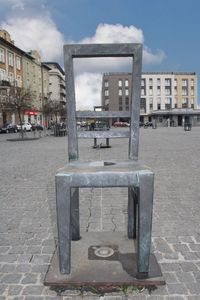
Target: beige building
36,81
164,95
23,70
11,72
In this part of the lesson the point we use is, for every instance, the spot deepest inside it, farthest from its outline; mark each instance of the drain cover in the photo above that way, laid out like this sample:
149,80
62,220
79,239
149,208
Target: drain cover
104,252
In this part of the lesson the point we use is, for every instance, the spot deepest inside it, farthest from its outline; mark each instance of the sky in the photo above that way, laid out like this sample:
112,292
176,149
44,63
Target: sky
169,31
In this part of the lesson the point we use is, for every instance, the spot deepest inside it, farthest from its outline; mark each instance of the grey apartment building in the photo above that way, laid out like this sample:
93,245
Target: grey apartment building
164,96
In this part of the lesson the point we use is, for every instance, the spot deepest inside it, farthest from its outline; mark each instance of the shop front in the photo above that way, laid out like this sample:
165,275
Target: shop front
31,116
176,117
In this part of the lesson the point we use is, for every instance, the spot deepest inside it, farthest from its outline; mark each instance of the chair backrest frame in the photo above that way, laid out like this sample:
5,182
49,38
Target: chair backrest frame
133,50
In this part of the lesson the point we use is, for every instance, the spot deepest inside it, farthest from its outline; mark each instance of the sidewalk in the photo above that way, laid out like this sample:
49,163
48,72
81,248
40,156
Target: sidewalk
27,212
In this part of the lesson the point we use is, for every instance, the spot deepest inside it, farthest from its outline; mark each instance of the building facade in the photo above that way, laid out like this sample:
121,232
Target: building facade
57,94
163,95
11,73
36,81
19,69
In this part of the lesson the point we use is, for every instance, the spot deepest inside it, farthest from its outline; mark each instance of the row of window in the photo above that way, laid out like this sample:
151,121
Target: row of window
10,77
168,82
168,91
124,105
10,59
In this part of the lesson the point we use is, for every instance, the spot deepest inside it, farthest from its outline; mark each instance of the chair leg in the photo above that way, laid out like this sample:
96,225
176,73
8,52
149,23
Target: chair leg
145,209
63,203
75,214
132,206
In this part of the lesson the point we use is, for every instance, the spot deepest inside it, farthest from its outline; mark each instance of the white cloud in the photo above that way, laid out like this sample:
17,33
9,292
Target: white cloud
36,33
31,27
109,33
106,33
88,90
150,58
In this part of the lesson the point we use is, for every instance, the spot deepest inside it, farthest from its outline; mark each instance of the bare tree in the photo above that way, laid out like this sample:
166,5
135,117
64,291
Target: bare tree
53,108
18,101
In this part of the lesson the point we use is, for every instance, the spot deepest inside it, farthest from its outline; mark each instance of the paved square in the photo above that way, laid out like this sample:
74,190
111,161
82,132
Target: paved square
27,211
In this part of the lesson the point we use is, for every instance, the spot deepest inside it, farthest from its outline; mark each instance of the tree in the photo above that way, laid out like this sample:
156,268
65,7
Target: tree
53,108
17,101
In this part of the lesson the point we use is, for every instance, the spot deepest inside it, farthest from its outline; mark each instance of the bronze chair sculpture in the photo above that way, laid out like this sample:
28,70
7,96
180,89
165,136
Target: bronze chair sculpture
129,173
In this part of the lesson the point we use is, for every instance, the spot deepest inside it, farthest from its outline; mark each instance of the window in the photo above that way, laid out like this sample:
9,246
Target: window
158,81
2,56
175,82
151,106
18,63
150,81
167,103
120,92
11,77
184,91
10,59
184,82
158,90
120,103
120,83
106,101
192,82
106,93
167,82
126,92
167,91
2,74
127,101
175,90
143,105
192,91
185,103
142,82
150,90
126,82
106,83
143,92
158,103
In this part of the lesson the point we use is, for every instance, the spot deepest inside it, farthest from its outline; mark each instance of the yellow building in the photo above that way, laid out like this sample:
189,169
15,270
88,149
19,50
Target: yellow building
11,72
35,80
23,70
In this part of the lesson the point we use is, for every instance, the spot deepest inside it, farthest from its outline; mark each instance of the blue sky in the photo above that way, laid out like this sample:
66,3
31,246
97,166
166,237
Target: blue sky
169,31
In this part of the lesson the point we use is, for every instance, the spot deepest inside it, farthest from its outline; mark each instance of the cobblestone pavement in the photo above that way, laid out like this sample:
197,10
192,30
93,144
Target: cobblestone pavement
27,212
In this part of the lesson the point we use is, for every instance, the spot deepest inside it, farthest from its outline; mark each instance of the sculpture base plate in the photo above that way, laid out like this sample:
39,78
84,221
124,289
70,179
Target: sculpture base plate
105,261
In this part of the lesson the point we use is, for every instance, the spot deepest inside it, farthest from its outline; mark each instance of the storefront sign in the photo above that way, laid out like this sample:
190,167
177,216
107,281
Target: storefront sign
31,113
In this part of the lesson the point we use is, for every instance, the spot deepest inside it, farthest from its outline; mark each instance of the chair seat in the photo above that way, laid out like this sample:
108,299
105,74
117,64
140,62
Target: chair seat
104,173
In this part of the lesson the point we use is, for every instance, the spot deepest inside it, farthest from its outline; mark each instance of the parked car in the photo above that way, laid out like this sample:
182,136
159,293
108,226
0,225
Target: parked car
121,124
8,128
25,126
37,127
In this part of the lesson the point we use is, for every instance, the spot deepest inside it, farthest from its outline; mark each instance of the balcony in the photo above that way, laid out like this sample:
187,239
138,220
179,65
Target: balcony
5,83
